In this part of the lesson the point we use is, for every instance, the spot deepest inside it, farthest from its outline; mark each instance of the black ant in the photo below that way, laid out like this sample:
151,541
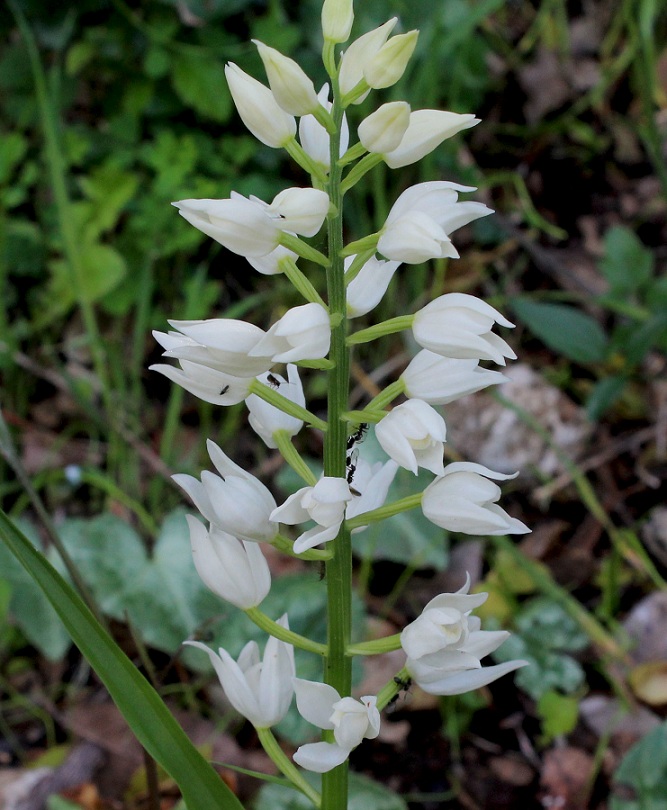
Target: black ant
404,684
357,436
273,381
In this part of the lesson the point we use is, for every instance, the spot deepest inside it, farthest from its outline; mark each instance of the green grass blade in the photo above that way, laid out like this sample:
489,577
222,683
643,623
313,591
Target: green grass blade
142,707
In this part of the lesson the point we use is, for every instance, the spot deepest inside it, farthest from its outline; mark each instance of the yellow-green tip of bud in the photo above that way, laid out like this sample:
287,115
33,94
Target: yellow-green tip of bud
337,19
389,63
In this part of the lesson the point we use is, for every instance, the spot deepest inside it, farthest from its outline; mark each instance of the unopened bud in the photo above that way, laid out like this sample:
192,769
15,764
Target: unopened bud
389,63
292,89
383,130
337,19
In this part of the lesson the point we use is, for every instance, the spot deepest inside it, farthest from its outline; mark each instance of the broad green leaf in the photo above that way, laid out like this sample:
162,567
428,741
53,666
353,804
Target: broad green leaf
564,329
627,264
641,780
29,607
139,703
200,83
13,146
365,794
162,594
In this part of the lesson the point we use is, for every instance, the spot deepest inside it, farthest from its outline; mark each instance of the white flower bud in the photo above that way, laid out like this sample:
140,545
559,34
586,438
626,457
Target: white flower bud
383,130
388,65
459,325
235,570
303,333
315,139
259,689
427,130
365,291
439,380
337,19
239,224
358,54
464,500
292,89
413,434
265,419
258,108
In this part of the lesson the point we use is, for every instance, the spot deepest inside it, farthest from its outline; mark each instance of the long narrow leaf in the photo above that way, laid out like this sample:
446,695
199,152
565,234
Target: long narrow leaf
142,707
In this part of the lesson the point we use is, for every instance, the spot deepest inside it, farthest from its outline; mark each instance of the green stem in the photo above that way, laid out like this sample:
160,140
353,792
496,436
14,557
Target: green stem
386,511
286,766
357,417
300,156
289,452
286,546
380,330
276,399
359,261
275,629
337,665
365,244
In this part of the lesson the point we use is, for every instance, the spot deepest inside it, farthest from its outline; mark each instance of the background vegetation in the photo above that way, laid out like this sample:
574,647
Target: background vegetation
111,110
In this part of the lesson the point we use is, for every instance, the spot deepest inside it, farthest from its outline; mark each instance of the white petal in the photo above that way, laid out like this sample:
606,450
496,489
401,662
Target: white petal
320,757
314,701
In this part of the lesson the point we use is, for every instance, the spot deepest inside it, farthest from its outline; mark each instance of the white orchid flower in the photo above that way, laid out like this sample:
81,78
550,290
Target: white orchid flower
315,139
233,501
259,689
383,130
438,380
459,325
463,499
351,721
324,503
413,434
421,219
369,488
426,130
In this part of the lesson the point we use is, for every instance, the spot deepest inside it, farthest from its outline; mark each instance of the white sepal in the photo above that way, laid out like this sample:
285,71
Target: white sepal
365,291
233,569
439,380
464,500
359,53
239,224
291,88
426,130
300,210
258,108
459,325
234,501
206,383
372,483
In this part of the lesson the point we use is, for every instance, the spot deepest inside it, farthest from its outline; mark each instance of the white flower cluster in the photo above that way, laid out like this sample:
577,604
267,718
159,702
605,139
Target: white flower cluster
226,361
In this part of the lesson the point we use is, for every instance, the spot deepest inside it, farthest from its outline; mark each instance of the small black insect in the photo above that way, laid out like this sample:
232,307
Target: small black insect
351,464
357,436
404,684
224,390
273,381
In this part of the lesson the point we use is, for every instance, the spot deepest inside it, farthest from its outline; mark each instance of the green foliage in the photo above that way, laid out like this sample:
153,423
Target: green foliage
558,713
544,634
565,329
364,794
141,706
643,774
